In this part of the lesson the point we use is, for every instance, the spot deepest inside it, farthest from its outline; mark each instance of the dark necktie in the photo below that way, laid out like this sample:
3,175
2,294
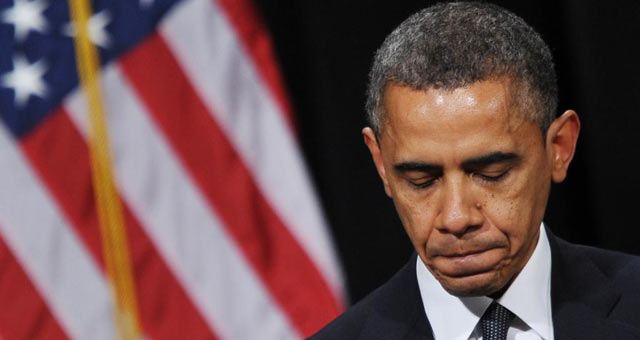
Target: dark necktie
495,322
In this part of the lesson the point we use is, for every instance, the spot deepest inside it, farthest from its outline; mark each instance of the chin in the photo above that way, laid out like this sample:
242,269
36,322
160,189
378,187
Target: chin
483,284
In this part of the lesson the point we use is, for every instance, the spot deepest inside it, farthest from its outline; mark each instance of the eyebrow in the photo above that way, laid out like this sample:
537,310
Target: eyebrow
490,158
472,163
417,166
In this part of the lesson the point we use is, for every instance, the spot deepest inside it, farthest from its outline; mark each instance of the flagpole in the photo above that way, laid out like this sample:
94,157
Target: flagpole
112,226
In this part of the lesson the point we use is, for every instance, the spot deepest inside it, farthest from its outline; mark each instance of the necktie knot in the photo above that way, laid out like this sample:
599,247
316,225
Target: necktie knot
495,322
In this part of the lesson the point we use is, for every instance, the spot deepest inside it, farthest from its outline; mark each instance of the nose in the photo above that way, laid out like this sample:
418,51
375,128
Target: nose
459,210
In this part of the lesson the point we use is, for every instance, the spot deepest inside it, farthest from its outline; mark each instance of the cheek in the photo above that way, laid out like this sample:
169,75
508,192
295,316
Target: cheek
416,217
518,210
506,214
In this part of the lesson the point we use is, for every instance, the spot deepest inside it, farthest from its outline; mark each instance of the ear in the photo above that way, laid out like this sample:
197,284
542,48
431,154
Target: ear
561,139
371,141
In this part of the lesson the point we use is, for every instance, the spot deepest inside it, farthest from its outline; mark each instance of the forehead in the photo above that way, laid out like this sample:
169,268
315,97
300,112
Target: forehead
461,122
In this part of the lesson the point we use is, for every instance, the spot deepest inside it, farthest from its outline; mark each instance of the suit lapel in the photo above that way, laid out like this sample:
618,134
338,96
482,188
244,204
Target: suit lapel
400,312
581,296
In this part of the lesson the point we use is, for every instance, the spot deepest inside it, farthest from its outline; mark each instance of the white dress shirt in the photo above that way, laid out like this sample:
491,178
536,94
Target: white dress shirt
528,297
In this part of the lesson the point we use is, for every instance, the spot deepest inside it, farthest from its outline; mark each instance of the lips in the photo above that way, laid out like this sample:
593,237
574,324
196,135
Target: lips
466,263
465,253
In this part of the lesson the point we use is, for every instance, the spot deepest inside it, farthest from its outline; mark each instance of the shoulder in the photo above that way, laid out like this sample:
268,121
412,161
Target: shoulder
392,309
603,275
350,324
623,270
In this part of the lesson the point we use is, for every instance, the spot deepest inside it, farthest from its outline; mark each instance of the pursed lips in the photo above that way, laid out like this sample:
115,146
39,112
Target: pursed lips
465,253
465,263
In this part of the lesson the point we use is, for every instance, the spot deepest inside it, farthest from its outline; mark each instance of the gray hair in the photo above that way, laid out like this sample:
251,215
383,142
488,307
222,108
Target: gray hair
452,45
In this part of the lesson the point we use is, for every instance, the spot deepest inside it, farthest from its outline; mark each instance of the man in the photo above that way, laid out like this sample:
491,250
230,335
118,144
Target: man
462,105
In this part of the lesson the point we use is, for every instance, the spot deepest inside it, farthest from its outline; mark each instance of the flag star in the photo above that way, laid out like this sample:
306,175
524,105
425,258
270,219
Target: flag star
26,80
146,3
26,16
97,27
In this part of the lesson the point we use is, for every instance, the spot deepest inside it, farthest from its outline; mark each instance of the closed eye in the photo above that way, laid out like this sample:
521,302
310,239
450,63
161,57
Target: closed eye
421,184
491,177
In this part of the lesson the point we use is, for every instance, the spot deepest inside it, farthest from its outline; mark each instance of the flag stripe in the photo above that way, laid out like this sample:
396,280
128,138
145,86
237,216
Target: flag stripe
226,81
24,314
166,312
257,45
185,231
261,235
64,170
49,251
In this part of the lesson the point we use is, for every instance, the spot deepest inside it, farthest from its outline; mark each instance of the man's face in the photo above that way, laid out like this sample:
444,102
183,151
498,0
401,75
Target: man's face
469,177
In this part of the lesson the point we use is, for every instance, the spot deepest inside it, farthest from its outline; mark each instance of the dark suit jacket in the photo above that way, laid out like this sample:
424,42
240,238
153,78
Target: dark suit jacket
595,294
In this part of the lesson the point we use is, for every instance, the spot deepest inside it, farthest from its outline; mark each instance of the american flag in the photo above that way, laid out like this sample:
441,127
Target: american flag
224,232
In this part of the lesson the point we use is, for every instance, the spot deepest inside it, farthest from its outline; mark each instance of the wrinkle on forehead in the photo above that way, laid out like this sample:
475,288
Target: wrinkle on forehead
482,114
458,103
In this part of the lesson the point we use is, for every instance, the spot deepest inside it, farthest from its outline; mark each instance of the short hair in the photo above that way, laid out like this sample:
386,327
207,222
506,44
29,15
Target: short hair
452,45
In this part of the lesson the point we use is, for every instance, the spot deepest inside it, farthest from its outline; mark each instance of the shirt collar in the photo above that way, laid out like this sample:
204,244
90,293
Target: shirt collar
527,298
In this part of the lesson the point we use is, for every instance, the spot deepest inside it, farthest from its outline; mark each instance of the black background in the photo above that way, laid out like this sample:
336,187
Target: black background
325,49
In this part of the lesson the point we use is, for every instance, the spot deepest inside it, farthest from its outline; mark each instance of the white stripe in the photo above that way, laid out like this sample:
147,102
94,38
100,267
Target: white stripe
173,212
208,50
56,261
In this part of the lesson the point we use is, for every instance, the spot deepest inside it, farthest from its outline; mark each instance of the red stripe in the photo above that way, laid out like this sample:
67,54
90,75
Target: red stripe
24,314
60,156
226,183
257,43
